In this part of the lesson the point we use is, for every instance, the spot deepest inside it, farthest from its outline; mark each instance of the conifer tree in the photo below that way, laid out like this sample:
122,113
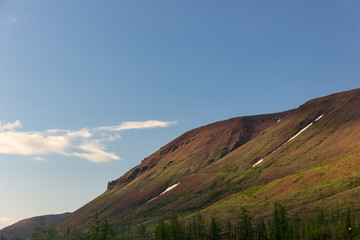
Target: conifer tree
246,231
190,229
101,230
200,224
214,230
41,232
141,232
162,231
261,232
74,234
176,229
280,226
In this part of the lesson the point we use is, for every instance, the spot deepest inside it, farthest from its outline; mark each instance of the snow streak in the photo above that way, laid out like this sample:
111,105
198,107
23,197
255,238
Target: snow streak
292,138
258,162
167,190
302,130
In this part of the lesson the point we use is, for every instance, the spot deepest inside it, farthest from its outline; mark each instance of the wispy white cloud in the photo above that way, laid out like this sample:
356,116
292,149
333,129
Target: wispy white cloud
79,134
14,19
87,143
39,158
4,219
10,126
95,153
139,125
32,143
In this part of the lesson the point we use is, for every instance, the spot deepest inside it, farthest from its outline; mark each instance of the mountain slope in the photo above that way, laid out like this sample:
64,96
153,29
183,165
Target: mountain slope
24,228
306,158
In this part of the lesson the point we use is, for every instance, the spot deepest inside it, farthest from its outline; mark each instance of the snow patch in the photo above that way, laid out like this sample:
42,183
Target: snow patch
167,190
302,130
319,118
258,162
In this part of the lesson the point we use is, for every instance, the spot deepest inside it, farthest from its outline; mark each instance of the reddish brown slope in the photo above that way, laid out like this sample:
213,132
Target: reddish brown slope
184,156
215,162
204,145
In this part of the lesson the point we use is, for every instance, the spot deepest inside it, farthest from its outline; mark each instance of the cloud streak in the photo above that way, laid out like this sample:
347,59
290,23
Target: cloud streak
86,143
138,125
10,126
4,219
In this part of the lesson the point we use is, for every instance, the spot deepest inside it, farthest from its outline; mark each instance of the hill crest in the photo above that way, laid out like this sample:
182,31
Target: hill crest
244,161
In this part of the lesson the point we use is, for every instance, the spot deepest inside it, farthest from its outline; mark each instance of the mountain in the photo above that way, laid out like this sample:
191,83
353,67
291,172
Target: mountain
24,228
306,158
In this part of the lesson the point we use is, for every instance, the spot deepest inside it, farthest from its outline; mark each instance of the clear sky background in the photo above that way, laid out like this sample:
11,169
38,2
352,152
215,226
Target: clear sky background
81,80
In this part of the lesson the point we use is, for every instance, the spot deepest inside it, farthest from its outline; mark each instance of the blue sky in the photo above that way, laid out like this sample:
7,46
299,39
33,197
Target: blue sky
90,88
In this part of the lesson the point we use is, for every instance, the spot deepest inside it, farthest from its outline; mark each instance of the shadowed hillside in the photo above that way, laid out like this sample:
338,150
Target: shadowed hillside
24,228
306,158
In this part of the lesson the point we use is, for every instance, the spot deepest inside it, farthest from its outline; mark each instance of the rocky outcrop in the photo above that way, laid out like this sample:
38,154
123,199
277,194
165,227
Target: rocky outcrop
124,180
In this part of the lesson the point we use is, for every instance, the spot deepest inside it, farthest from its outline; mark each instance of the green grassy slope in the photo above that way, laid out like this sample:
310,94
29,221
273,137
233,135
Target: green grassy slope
318,169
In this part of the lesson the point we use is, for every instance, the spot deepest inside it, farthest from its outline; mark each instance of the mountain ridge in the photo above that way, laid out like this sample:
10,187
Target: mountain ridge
241,136
213,166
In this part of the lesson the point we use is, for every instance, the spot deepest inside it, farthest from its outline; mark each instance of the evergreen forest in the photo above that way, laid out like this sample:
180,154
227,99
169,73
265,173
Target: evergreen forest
339,225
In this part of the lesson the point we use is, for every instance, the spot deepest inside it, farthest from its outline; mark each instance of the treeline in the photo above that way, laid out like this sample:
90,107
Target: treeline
335,226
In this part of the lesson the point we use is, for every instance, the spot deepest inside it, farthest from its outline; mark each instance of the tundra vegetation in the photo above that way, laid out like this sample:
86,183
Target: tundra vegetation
335,226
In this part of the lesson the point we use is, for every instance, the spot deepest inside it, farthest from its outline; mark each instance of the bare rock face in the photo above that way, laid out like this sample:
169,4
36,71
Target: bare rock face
134,173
